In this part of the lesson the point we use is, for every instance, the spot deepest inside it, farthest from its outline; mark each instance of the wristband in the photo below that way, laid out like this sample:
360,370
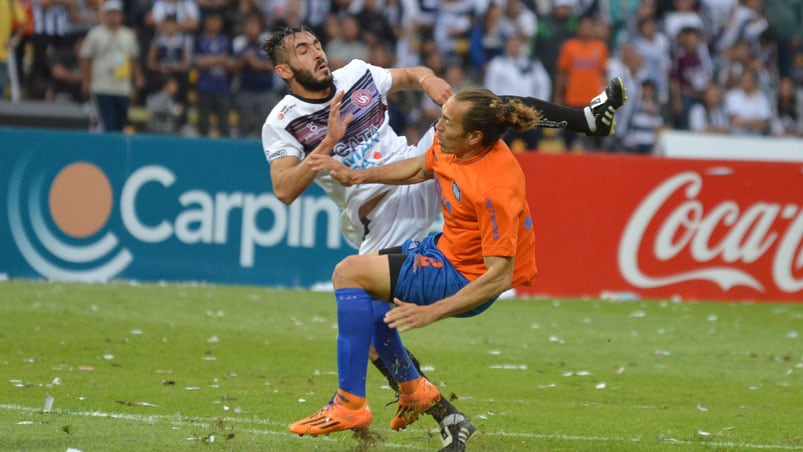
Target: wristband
421,81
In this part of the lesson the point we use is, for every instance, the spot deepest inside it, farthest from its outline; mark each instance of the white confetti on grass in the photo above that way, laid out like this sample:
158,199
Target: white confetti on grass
556,339
579,373
509,366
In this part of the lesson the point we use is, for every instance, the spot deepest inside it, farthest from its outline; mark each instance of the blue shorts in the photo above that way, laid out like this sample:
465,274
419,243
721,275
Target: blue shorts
426,276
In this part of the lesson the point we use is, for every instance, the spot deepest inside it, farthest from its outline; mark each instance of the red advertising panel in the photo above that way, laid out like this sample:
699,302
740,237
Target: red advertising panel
658,228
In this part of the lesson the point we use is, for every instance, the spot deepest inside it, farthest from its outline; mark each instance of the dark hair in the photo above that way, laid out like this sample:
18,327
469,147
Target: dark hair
492,116
274,45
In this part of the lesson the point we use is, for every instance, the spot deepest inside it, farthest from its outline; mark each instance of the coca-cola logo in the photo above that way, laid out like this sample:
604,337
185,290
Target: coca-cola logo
717,238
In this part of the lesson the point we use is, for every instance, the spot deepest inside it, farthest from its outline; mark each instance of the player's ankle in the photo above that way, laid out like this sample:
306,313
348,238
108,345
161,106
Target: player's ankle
349,400
409,387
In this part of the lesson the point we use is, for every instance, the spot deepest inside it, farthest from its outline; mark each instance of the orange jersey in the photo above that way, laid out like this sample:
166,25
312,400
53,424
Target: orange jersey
485,211
584,63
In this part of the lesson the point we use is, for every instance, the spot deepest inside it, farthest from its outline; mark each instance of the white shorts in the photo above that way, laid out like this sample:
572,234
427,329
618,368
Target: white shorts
405,213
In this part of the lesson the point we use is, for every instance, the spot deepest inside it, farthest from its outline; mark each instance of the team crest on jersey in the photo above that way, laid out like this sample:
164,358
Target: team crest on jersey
362,98
456,191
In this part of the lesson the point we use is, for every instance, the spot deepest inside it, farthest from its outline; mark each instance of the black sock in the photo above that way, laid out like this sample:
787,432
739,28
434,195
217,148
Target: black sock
386,372
442,409
554,116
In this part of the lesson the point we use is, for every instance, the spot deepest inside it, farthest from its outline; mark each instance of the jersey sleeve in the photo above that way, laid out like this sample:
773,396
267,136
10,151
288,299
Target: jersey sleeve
498,214
277,142
382,78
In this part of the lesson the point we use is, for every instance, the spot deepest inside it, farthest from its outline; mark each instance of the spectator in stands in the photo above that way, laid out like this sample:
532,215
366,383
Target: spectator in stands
709,115
629,65
169,55
518,18
581,72
65,72
290,13
514,73
348,45
690,75
254,95
85,15
715,14
747,22
486,39
52,32
748,107
220,7
681,16
186,12
374,24
654,48
165,112
788,120
621,16
557,28
452,25
109,62
212,59
646,121
239,14
785,18
12,27
735,60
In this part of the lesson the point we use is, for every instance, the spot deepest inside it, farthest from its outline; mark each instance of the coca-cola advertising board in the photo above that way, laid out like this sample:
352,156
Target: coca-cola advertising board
666,228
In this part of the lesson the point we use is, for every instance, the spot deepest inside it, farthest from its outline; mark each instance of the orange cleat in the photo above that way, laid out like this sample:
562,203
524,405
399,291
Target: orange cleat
334,417
425,396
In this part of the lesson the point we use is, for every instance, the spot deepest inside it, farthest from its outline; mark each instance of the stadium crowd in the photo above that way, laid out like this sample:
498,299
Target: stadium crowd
710,66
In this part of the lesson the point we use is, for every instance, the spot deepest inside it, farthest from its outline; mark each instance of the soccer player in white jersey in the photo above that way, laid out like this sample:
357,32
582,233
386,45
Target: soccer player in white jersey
375,217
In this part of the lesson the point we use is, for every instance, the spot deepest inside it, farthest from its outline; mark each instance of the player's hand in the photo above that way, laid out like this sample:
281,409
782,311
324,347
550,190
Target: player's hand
406,316
438,89
340,172
336,128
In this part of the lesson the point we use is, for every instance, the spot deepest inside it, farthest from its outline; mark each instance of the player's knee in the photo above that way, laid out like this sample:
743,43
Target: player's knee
347,272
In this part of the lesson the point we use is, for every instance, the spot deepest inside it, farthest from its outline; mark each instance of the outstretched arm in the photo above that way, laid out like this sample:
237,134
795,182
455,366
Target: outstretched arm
421,78
405,172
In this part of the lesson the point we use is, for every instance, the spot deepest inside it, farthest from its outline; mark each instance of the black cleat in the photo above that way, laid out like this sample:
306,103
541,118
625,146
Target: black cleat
456,431
604,107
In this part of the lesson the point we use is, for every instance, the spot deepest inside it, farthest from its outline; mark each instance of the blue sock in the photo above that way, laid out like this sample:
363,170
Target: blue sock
389,345
355,329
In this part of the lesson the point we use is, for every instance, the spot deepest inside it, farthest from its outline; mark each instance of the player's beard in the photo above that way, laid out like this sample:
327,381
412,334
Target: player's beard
307,80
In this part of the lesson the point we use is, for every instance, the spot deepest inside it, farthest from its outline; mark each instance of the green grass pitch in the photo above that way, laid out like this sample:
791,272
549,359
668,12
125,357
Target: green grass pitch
193,367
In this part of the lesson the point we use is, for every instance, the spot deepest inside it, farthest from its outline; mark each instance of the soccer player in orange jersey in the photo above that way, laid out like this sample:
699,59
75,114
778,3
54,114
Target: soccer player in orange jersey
487,246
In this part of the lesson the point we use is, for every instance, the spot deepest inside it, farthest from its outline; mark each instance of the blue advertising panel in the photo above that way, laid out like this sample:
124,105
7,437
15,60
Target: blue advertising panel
89,207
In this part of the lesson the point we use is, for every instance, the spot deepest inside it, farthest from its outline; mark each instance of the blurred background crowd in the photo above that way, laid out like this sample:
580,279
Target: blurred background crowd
709,66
